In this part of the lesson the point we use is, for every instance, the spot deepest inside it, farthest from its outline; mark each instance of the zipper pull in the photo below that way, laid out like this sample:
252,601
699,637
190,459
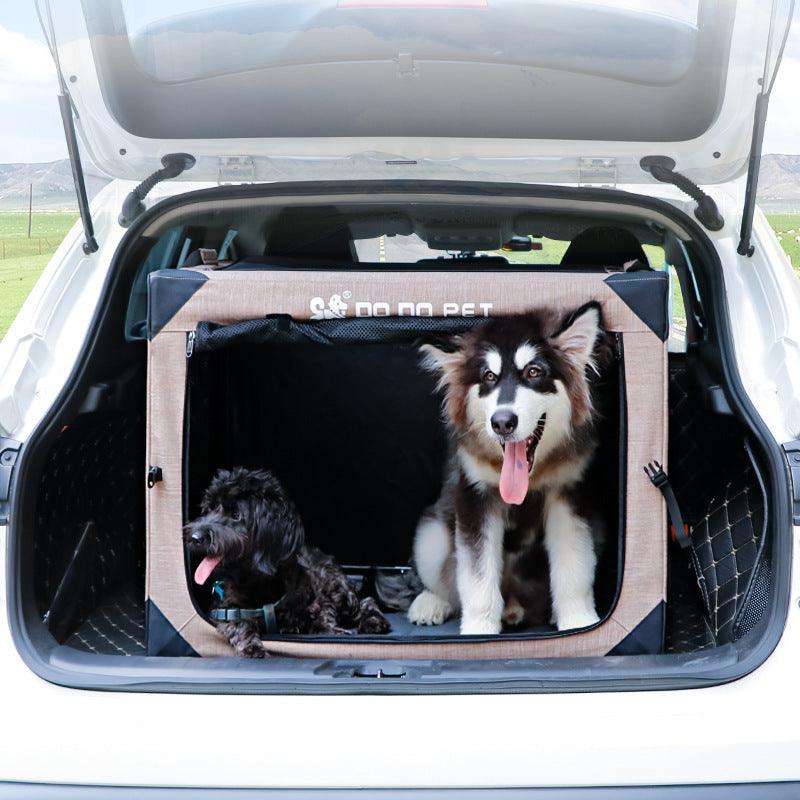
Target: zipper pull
190,344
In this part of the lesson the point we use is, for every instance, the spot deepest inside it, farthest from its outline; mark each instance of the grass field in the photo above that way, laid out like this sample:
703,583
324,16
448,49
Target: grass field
787,227
22,259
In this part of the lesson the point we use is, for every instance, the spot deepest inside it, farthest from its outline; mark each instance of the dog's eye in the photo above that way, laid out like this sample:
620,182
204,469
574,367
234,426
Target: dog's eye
532,372
489,377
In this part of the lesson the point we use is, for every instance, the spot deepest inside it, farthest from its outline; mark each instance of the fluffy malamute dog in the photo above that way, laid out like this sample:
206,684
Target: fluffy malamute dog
519,407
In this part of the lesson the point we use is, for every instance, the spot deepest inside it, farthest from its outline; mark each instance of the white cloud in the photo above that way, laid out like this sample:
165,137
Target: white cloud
31,129
783,121
24,63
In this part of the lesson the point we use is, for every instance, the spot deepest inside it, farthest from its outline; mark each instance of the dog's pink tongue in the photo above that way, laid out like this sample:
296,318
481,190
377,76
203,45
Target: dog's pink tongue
205,568
514,475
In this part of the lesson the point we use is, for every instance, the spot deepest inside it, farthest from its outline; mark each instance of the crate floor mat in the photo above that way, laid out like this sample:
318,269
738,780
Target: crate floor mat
205,313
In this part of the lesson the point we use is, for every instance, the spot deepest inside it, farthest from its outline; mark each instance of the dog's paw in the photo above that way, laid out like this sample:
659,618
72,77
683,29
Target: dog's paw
374,623
253,650
479,626
429,609
576,619
513,613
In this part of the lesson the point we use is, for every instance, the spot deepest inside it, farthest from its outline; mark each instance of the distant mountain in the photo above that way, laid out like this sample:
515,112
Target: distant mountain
779,178
53,188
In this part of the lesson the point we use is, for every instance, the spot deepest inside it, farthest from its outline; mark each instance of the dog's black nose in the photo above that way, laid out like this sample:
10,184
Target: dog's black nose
504,422
200,536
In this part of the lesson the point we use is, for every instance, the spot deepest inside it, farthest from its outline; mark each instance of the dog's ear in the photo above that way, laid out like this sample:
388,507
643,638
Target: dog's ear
578,334
217,489
444,359
279,534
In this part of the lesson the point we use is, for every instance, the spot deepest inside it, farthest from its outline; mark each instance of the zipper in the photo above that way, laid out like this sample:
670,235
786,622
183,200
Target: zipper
190,344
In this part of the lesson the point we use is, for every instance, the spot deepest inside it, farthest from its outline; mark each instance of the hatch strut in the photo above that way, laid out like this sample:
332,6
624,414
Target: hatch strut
65,106
662,168
767,81
173,164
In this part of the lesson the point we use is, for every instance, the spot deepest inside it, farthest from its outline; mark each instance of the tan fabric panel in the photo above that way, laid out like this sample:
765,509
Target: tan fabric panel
229,297
165,581
206,640
645,568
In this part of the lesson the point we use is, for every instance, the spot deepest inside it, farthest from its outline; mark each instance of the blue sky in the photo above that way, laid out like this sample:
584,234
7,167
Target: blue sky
33,132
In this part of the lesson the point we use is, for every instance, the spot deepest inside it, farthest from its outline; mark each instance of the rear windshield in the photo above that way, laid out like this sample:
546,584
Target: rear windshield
180,40
620,70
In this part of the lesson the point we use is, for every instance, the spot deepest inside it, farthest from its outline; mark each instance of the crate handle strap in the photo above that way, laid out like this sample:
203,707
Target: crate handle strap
680,531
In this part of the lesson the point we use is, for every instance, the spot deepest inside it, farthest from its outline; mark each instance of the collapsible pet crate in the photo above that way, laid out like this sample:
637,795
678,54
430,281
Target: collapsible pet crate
315,375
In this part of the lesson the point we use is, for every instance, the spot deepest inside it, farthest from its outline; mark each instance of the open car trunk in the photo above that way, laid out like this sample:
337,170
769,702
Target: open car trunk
369,458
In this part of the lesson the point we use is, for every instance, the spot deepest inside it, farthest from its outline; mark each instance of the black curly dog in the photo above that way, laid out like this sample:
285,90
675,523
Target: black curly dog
250,533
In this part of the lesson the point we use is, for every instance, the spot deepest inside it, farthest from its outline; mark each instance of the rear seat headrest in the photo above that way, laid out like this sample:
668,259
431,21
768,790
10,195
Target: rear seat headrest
312,233
602,246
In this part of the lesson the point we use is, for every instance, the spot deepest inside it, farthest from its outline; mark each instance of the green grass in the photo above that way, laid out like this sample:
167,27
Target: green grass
22,259
787,227
17,277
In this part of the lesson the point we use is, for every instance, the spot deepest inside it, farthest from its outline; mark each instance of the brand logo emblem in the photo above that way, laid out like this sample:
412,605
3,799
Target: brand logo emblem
335,309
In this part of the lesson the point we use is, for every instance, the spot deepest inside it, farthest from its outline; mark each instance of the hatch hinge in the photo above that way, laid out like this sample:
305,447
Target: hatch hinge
9,450
767,81
662,168
236,169
68,121
173,164
597,172
792,452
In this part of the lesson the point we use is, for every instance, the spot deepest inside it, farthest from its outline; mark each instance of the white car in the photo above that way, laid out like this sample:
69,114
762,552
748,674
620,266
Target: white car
633,120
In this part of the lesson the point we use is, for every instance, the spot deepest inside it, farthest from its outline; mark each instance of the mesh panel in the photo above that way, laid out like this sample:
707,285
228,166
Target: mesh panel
282,329
757,600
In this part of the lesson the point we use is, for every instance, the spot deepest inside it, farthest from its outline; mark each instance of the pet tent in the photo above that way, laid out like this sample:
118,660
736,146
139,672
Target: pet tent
314,374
